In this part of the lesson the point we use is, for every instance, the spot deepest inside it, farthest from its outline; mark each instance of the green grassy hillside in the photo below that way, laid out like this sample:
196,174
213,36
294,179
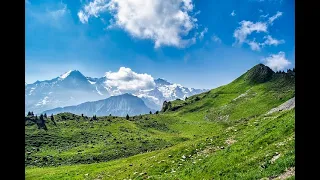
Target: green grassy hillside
222,134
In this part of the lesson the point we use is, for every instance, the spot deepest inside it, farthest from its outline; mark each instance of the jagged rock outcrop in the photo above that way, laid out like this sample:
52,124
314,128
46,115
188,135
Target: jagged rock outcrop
259,74
166,106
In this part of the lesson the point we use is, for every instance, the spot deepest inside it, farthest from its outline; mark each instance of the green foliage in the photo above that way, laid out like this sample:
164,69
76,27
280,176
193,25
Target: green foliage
224,133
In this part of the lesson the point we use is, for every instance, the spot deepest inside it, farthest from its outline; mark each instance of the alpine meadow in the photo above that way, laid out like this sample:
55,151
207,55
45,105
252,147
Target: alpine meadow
243,130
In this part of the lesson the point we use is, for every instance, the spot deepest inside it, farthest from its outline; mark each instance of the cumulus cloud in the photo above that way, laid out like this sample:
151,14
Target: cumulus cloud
233,13
276,16
271,41
264,16
216,39
127,80
276,61
254,45
164,22
247,27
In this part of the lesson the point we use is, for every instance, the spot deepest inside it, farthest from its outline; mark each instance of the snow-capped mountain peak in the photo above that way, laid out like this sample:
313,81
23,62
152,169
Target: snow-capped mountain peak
66,74
160,82
70,73
72,88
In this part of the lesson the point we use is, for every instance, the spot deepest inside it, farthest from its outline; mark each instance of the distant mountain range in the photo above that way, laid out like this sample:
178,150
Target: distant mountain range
73,88
115,105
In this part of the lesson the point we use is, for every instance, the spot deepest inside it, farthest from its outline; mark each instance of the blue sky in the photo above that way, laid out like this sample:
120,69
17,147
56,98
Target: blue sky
196,43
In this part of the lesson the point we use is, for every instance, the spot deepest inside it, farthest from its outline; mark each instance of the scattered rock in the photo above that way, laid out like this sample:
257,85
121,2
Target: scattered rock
274,158
230,141
285,106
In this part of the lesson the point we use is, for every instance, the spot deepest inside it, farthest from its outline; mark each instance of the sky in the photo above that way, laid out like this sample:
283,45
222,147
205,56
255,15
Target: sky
196,43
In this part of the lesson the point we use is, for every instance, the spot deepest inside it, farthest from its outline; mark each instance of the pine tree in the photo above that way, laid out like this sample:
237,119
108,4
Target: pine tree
150,112
42,123
32,113
81,115
29,113
45,115
127,117
41,119
157,112
109,114
52,119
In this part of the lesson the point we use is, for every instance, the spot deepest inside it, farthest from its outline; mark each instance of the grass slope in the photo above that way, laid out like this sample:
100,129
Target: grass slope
220,134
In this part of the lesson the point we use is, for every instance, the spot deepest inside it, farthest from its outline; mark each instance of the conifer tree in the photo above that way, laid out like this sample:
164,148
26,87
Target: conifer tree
127,117
52,119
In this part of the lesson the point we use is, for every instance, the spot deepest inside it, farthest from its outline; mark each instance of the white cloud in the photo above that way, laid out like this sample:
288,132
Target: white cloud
276,16
83,17
260,10
264,16
92,9
127,80
164,22
233,13
246,28
276,61
58,13
254,45
215,39
202,33
271,41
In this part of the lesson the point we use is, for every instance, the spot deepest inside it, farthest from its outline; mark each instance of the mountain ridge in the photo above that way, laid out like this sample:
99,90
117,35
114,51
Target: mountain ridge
120,105
73,88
